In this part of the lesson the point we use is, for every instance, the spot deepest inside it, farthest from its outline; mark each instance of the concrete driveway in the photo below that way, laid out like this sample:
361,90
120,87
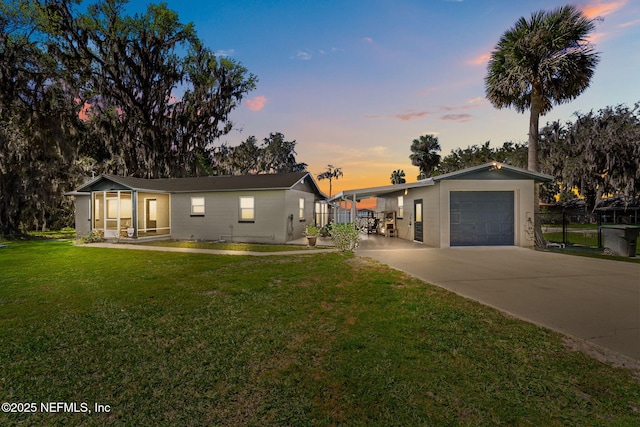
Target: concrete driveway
593,299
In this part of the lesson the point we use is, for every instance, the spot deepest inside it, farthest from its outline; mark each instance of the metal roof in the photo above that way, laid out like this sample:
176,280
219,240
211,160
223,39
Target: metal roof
495,166
364,193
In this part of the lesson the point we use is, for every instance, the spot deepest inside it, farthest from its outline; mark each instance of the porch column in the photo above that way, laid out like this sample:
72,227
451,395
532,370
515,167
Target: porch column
134,213
353,210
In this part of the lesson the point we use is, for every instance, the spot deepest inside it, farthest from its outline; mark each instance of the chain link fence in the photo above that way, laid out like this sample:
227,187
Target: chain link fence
571,229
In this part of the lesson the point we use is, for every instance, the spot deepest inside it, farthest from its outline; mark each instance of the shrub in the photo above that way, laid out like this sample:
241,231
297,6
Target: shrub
345,236
325,231
311,230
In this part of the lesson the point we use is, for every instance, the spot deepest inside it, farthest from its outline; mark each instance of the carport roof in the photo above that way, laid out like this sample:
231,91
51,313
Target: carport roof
365,193
504,171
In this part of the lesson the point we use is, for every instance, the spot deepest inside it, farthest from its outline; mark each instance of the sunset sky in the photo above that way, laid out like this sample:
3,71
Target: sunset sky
354,82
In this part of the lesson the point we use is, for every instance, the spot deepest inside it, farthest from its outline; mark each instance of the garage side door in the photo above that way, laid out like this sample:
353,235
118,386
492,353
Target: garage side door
481,218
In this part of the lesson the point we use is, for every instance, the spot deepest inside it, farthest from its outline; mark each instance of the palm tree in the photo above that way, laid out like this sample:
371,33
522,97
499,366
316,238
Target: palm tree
541,62
424,154
330,174
536,64
397,177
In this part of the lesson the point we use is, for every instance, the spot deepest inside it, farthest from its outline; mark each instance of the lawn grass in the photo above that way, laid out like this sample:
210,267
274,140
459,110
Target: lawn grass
585,243
584,238
65,233
317,339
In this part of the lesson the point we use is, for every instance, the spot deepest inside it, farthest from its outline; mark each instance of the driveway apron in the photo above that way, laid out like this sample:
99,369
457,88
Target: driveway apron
593,299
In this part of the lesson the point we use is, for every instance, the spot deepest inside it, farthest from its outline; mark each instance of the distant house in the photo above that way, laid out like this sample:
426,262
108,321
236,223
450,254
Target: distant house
491,204
271,208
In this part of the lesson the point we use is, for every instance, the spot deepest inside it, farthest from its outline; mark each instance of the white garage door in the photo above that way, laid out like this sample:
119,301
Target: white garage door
481,218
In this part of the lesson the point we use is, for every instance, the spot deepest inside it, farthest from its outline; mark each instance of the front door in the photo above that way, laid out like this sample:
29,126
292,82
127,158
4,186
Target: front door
112,216
417,223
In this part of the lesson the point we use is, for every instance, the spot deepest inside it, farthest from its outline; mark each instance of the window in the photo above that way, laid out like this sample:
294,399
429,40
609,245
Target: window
126,208
301,209
400,206
197,206
112,208
152,209
247,209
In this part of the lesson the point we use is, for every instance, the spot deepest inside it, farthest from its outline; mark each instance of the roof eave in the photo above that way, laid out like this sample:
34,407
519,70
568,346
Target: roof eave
77,193
112,178
89,183
364,193
221,190
314,184
536,176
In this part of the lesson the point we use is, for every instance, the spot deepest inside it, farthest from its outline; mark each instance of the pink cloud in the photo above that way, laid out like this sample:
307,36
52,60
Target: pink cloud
462,118
630,23
427,91
405,117
471,104
480,59
368,39
597,37
602,8
257,103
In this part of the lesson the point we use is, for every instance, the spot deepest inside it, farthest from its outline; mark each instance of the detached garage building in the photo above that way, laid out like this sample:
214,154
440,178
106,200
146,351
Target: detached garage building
487,205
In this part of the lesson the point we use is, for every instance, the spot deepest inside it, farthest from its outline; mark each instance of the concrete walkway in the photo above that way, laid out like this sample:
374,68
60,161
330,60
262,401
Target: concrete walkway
593,299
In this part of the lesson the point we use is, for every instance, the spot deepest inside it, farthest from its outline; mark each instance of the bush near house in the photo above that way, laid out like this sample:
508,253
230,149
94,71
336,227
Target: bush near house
346,236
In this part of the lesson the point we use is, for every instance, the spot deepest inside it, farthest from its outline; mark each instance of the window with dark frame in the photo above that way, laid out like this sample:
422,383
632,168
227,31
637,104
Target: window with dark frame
247,209
301,209
197,206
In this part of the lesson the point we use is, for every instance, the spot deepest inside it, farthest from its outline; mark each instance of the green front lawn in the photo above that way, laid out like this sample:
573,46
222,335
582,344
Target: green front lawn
317,339
583,238
585,243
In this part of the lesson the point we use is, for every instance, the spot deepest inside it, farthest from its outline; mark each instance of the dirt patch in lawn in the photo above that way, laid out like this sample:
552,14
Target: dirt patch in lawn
603,355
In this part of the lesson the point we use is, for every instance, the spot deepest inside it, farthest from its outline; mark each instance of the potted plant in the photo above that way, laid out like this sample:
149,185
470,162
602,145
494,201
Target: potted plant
312,232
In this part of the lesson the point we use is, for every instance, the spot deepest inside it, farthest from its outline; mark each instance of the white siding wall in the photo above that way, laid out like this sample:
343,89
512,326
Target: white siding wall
523,205
431,215
221,218
295,228
436,203
83,215
430,209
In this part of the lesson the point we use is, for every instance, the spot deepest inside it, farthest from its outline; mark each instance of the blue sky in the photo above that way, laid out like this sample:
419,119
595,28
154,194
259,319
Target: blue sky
354,82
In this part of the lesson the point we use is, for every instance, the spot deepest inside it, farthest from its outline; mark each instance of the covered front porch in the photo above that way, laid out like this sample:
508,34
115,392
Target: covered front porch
130,214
